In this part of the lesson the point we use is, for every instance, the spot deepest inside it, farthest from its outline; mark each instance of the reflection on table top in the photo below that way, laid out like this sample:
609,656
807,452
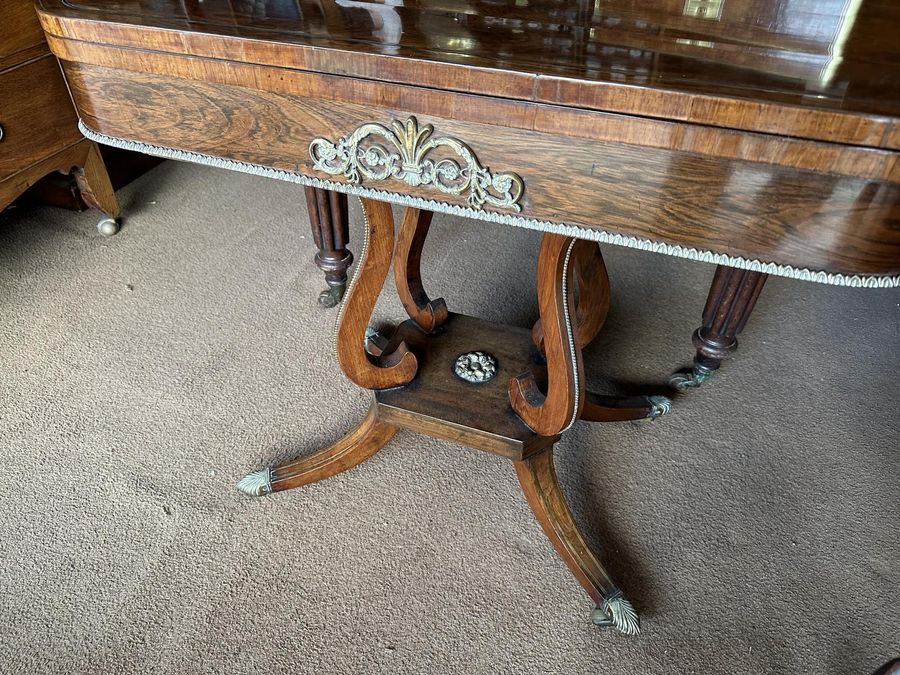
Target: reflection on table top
819,54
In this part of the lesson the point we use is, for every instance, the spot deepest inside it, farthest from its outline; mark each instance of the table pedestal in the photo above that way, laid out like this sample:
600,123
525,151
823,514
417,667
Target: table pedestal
503,389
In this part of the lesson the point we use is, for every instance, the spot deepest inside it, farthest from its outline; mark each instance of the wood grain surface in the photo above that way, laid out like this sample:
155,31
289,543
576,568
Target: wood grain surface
370,436
394,367
823,70
537,476
21,35
758,211
440,404
735,165
35,114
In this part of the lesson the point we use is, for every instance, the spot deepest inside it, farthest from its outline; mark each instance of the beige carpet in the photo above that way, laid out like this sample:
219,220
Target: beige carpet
755,528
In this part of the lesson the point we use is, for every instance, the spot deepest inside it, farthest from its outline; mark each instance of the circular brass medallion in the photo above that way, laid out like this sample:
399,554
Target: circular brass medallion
476,367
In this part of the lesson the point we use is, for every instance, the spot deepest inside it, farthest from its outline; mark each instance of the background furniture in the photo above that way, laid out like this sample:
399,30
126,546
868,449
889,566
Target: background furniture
38,126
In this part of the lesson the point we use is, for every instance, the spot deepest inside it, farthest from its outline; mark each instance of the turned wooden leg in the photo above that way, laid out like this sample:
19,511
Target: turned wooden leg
731,299
97,190
537,477
357,446
429,314
371,369
329,220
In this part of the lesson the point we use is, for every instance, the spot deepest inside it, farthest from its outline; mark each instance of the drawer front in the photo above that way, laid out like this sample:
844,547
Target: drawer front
36,115
19,27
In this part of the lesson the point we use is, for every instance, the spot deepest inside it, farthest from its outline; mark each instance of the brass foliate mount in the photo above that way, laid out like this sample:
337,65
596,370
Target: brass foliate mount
409,153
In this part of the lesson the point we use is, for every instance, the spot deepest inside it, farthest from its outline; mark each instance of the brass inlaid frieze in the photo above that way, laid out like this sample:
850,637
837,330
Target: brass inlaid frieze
411,153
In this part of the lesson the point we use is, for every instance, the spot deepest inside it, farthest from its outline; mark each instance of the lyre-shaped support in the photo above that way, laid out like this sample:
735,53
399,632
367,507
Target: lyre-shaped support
365,369
591,310
593,295
429,314
551,413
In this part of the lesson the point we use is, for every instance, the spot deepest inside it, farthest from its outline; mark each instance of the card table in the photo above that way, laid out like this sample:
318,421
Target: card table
761,136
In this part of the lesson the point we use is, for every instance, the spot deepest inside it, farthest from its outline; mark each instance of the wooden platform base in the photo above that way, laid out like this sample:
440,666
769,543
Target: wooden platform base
440,404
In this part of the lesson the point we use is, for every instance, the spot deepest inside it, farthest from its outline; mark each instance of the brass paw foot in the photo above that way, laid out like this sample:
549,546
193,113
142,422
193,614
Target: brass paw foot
332,295
658,406
256,484
690,379
617,612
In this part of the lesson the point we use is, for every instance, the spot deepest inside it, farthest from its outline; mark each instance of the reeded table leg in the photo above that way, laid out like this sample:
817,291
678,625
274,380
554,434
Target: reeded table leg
732,297
331,232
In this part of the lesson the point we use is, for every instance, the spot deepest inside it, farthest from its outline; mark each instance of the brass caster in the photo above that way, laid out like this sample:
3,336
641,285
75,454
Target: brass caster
332,295
617,612
690,379
107,226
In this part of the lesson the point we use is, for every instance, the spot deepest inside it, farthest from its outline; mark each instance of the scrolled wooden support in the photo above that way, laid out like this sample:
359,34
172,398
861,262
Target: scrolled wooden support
593,295
554,411
365,369
429,314
593,291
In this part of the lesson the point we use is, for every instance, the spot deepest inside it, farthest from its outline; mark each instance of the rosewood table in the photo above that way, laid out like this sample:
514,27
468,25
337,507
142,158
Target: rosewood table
756,135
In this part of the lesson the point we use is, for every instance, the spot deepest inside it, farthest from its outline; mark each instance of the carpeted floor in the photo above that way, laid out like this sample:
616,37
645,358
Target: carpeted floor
755,527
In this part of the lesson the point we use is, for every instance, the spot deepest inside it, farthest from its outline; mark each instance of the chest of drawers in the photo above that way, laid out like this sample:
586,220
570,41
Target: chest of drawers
38,125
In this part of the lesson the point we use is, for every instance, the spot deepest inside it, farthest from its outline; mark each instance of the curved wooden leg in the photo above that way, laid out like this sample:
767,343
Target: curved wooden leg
551,413
330,224
537,477
429,314
364,441
368,370
731,299
592,307
598,408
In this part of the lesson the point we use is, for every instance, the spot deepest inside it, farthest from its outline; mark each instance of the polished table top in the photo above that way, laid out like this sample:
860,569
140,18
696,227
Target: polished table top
745,132
819,56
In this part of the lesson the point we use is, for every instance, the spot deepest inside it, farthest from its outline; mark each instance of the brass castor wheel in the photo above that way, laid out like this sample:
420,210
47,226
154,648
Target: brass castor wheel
332,295
107,226
684,380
